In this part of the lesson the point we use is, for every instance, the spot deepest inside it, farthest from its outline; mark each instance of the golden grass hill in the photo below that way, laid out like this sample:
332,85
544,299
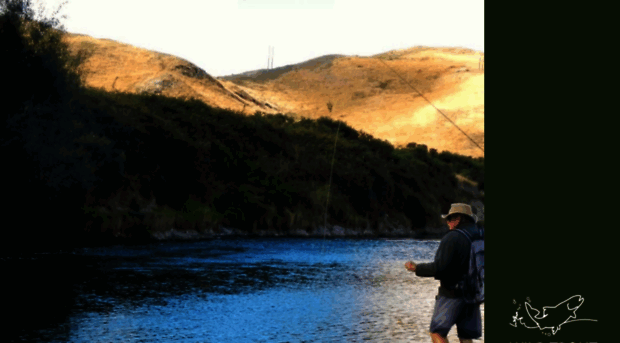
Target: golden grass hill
372,94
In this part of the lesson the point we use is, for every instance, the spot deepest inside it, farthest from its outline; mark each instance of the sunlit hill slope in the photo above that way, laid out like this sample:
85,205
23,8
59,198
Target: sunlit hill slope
373,94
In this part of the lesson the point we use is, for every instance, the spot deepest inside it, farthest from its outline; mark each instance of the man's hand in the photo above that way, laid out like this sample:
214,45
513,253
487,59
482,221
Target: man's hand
410,266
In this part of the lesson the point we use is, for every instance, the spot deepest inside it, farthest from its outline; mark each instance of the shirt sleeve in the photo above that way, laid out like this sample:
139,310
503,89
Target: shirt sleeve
443,257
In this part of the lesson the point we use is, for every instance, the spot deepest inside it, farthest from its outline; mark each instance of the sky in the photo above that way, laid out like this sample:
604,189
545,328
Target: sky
226,37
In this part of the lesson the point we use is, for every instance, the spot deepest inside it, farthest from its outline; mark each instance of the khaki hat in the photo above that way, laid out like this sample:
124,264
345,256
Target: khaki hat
462,209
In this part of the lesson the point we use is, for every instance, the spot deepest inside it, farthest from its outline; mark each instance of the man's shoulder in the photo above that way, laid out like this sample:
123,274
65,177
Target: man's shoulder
454,236
471,231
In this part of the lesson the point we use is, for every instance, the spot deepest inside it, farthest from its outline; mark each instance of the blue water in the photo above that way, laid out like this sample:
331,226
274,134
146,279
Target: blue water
250,290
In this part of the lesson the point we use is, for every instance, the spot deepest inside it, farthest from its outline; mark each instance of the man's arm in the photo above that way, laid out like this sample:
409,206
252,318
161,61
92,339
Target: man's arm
444,255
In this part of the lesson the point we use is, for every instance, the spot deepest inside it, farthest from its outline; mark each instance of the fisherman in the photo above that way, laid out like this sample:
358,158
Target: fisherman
450,266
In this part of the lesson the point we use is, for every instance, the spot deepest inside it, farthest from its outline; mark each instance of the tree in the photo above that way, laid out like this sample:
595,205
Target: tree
42,68
24,10
37,133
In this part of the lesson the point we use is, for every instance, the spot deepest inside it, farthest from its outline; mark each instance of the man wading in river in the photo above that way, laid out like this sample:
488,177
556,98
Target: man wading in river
450,265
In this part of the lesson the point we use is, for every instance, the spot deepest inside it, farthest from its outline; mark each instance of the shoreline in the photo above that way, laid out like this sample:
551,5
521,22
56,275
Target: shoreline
220,233
333,232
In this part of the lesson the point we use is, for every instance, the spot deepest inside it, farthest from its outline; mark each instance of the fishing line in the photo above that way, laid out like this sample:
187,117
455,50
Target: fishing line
329,190
368,278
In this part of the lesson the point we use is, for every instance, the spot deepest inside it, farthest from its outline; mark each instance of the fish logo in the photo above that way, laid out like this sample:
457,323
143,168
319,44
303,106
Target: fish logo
552,317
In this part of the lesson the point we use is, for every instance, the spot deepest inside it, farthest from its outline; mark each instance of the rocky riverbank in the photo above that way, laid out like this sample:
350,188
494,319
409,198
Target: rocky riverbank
329,232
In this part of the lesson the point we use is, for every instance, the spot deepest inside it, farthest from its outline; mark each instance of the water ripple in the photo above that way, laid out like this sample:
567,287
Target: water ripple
263,290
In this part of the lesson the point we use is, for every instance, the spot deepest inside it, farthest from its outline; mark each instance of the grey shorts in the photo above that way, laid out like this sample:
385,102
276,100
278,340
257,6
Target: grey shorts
450,311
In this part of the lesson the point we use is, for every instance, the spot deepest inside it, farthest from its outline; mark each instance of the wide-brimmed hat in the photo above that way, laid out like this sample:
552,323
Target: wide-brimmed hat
461,209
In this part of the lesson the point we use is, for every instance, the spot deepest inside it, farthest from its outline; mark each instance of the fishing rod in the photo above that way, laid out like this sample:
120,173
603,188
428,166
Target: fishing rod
438,110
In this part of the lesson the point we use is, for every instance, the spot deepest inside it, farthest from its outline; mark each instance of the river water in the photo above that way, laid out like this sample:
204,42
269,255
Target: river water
246,290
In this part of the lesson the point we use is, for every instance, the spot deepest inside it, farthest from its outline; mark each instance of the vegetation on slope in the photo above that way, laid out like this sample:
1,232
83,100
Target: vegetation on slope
92,165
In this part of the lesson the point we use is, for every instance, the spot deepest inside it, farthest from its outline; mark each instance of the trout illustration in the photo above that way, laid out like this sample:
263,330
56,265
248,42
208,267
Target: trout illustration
552,317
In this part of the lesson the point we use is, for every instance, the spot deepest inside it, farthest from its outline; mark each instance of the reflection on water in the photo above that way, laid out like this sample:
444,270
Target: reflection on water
251,290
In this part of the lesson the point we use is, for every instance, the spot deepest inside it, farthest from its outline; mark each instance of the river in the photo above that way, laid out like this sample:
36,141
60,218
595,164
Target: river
225,290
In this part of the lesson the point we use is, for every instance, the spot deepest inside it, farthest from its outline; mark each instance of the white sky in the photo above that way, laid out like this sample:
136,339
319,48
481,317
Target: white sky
226,37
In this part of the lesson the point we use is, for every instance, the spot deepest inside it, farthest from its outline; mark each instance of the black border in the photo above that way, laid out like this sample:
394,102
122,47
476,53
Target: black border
548,164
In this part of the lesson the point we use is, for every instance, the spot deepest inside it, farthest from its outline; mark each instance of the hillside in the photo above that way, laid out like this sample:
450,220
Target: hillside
364,92
369,96
114,66
124,145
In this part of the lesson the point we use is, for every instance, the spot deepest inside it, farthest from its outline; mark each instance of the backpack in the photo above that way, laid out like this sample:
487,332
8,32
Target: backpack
473,283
